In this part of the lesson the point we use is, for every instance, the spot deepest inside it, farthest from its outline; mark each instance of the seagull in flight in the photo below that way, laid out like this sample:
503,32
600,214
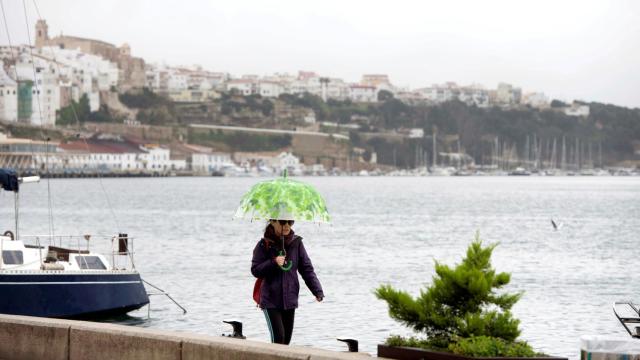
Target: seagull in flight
556,227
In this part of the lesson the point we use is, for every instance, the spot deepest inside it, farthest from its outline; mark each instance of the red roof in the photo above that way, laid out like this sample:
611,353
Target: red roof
100,147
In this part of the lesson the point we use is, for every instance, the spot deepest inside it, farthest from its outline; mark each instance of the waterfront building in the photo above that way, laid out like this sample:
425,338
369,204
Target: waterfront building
114,154
210,161
100,155
27,154
286,160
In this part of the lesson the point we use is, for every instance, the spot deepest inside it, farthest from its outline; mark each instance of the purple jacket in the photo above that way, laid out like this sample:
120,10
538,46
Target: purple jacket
280,288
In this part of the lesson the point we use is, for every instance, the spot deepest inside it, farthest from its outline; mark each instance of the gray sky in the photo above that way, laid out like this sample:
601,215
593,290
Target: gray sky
584,49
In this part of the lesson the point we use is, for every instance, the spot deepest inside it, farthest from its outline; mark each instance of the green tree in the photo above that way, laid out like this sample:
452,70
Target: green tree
75,113
384,95
267,107
462,302
142,100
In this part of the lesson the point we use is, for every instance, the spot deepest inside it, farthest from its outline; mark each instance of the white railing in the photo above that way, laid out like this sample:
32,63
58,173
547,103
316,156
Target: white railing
119,248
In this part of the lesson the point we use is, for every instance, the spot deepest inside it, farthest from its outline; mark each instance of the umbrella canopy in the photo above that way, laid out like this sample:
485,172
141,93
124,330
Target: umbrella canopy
283,199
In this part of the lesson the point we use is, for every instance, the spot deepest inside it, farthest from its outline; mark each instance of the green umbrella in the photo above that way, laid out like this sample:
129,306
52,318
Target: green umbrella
283,199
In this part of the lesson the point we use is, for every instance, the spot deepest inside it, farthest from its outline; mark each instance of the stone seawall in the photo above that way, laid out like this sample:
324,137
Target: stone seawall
29,338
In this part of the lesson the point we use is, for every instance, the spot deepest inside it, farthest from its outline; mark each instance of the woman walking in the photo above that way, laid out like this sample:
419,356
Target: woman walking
276,259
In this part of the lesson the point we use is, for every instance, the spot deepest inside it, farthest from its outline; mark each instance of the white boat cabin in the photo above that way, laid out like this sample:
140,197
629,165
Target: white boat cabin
18,256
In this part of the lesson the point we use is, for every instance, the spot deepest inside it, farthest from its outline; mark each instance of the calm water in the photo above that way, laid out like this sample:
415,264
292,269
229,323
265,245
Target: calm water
386,230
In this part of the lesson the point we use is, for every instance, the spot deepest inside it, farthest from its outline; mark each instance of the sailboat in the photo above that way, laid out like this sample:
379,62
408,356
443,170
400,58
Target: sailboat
65,282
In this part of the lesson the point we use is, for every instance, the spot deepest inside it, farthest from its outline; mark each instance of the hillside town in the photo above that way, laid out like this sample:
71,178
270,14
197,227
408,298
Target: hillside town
37,83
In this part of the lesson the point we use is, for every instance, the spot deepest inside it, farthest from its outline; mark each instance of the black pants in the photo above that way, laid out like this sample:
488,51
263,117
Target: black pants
280,324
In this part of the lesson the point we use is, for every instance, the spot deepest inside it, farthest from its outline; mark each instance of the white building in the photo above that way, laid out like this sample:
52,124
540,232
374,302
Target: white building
474,95
577,110
8,98
506,94
438,94
177,81
106,153
269,88
39,78
287,160
92,156
208,162
101,73
155,158
243,86
337,89
363,93
416,133
537,100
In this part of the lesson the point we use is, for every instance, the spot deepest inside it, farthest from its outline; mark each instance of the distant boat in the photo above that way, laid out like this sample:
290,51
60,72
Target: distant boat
461,172
441,171
519,172
65,282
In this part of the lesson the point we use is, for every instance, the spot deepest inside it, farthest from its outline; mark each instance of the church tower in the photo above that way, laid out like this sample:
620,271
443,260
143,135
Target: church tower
42,33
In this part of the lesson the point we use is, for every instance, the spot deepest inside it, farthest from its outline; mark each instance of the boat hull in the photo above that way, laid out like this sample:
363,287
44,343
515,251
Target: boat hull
77,295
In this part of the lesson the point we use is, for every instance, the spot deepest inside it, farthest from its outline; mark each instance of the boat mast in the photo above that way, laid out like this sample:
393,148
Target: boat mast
434,163
16,203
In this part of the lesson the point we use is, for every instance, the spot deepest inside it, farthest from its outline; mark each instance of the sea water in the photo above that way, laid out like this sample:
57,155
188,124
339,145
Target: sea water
386,230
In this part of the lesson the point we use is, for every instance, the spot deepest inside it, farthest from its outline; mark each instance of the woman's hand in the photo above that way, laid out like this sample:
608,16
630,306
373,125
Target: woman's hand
319,298
280,260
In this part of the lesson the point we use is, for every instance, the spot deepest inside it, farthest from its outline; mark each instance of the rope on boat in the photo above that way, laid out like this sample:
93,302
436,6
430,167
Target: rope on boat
162,292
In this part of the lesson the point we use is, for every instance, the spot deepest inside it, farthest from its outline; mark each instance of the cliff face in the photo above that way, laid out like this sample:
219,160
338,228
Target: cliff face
111,100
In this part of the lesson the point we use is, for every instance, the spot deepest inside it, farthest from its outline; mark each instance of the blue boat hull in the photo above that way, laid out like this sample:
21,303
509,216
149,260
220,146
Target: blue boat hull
76,295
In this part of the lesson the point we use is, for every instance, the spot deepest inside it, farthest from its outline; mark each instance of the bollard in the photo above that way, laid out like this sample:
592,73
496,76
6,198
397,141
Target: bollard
351,343
237,329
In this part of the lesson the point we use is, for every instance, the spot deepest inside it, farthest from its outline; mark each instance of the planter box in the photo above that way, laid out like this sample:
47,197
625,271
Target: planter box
407,353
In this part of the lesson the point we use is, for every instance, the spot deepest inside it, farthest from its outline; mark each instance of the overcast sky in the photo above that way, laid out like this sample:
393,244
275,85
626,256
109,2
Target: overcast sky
585,49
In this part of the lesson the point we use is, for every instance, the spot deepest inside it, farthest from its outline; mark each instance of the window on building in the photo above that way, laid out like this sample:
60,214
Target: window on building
90,262
12,257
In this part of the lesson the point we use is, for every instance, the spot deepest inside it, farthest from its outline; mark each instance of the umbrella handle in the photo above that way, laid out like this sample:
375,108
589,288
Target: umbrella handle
287,266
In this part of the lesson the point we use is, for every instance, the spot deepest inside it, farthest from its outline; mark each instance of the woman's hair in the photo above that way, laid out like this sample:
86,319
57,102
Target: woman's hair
266,228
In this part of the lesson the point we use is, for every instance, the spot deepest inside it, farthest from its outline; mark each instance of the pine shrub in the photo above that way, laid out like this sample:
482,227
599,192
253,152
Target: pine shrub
462,311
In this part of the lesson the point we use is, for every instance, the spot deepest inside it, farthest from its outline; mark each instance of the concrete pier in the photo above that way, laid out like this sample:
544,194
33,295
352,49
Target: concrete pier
28,338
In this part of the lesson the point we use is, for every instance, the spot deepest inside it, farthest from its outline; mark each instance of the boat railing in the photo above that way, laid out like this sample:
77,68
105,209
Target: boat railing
120,247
